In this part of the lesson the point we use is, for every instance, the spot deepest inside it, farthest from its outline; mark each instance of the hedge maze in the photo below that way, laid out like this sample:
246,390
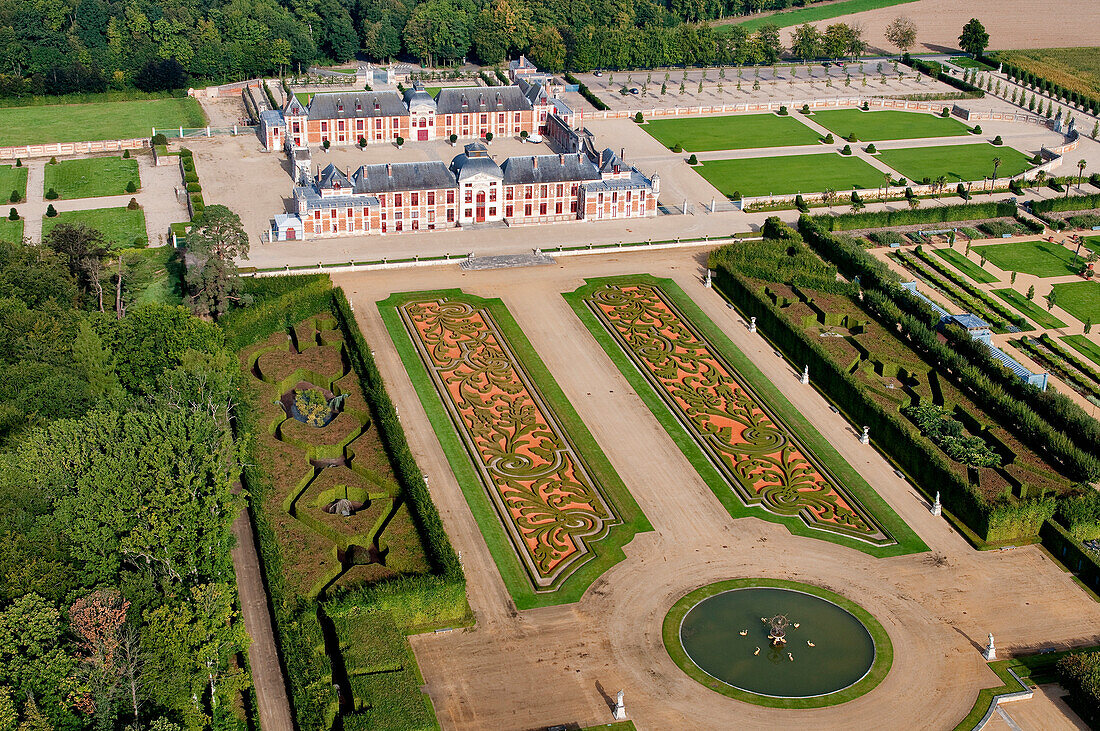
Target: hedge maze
552,497
354,547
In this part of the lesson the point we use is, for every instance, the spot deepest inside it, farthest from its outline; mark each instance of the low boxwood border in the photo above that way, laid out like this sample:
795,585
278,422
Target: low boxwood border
884,649
607,551
906,539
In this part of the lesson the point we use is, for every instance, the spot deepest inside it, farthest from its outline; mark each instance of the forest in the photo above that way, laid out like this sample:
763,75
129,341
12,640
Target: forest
83,46
118,606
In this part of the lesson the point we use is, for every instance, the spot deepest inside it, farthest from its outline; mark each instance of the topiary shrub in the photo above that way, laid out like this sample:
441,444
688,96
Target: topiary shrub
847,150
783,111
362,142
946,112
871,149
800,203
997,140
828,139
194,188
53,160
489,137
961,190
159,139
13,215
132,205
326,144
18,162
15,197
125,154
693,160
638,118
805,109
677,147
399,141
131,187
50,211
977,129
51,195
852,137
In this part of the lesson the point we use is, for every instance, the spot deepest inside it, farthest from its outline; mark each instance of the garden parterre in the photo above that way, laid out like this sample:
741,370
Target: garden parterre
762,176
1039,258
887,124
956,162
730,132
91,177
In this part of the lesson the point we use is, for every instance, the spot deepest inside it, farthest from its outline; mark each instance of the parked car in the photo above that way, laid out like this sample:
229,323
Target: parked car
597,73
634,91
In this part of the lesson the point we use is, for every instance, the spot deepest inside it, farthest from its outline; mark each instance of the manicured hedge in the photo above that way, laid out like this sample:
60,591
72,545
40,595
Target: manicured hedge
1048,422
911,216
988,305
935,70
1079,674
1073,203
587,93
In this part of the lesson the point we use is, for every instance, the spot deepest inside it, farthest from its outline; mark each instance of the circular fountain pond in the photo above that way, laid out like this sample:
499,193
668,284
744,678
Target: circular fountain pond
777,643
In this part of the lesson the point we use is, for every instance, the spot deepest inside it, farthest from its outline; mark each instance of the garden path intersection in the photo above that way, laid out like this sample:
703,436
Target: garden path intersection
562,664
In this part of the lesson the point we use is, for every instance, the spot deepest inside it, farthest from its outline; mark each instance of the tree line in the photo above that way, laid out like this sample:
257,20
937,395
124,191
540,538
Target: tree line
118,607
82,46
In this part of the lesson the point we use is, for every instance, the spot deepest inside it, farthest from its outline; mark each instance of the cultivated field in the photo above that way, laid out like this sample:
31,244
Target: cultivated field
1077,69
789,174
97,121
956,162
121,227
92,177
741,132
888,124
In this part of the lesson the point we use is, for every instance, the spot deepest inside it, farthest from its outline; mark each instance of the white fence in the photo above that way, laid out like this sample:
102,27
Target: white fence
56,149
792,106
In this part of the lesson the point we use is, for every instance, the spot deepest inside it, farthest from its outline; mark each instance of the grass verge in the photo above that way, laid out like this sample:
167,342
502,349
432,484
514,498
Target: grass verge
884,649
1083,345
1029,309
607,551
906,540
964,265
11,230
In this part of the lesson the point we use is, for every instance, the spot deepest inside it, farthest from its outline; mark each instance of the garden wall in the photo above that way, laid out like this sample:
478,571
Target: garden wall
831,103
55,149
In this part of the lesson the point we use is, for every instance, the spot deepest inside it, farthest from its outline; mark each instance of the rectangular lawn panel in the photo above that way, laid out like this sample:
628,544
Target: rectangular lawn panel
737,132
552,509
789,174
98,121
755,451
1029,309
1039,258
1080,299
1083,345
964,265
11,230
957,162
92,177
13,178
121,227
888,124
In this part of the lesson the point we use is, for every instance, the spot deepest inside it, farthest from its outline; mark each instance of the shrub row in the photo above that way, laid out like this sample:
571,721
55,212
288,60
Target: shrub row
911,450
1061,368
587,93
1073,203
990,305
973,299
1078,99
911,216
1028,411
935,70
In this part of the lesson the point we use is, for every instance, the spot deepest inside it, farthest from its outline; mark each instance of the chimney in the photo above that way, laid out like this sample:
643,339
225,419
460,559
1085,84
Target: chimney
561,160
600,165
389,169
622,153
534,163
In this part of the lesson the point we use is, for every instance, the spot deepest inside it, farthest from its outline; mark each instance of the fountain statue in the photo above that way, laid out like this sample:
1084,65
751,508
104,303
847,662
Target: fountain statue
777,629
620,709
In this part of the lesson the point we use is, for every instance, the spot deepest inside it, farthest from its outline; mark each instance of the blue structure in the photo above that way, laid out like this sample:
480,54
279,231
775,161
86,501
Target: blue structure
979,329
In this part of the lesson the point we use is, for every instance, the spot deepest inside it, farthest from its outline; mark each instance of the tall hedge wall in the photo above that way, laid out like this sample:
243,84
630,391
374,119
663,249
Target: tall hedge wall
910,216
1072,203
1079,674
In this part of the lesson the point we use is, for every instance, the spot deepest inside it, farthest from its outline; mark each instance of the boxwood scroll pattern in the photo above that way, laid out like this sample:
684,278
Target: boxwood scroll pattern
756,455
549,503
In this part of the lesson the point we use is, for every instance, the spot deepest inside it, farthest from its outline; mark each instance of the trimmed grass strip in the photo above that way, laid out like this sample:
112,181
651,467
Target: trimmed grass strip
98,121
888,124
11,230
13,179
1029,309
1039,258
92,177
731,132
1080,299
121,227
1084,346
884,648
469,464
814,173
906,540
964,265
956,162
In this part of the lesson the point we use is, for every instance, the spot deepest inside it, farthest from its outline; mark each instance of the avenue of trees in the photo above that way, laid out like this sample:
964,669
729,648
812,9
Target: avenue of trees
72,46
118,607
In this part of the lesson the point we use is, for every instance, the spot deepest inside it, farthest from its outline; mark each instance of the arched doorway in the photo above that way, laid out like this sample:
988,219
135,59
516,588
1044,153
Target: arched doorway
480,216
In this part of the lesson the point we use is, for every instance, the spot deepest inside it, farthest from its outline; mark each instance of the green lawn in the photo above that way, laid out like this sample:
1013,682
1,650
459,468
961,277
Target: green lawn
740,132
11,230
1080,299
957,162
98,121
966,266
813,14
12,178
1039,258
303,97
1083,345
91,177
789,174
965,62
888,124
433,91
1029,309
121,227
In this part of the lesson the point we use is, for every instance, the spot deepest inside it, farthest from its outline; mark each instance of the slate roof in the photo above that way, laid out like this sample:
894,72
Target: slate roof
330,176
481,99
550,169
417,98
475,161
315,201
401,176
327,106
534,92
634,182
971,322
272,118
294,108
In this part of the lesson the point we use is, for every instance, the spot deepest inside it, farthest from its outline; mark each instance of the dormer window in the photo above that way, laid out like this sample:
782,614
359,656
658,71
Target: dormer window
376,105
498,99
358,106
465,102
